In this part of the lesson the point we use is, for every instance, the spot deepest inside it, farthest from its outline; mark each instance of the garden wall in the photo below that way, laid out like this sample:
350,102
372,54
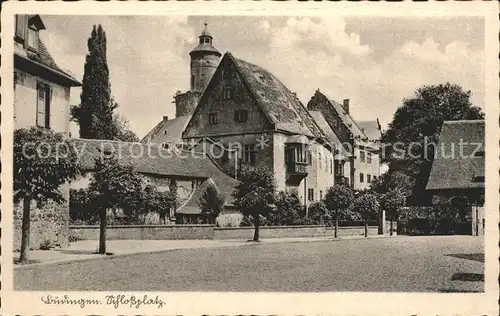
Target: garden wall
171,232
269,232
145,232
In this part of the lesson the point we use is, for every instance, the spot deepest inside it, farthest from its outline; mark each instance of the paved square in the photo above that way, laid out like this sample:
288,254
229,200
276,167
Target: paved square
406,264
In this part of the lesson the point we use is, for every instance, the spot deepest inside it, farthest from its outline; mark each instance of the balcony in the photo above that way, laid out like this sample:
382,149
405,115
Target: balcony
340,179
297,168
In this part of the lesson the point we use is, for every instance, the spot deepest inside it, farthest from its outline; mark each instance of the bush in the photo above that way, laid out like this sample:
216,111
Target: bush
46,245
248,221
288,210
229,220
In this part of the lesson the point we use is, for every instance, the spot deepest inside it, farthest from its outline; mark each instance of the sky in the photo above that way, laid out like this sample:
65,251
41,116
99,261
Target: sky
375,62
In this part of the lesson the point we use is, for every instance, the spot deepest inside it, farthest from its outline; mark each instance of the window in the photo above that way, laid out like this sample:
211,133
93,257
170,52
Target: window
321,195
166,145
331,166
227,93
310,194
339,171
192,81
362,155
368,178
309,158
369,157
43,105
249,154
319,160
207,40
32,38
361,178
241,116
300,155
374,178
213,118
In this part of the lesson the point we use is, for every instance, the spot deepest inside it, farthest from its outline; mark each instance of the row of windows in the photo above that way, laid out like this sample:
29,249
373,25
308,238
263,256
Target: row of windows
369,178
310,195
240,116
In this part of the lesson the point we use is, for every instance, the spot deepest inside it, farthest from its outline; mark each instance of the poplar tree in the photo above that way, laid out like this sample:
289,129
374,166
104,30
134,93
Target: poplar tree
94,114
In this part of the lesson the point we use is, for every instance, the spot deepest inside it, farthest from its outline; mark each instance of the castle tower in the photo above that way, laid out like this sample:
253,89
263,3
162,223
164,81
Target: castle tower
204,61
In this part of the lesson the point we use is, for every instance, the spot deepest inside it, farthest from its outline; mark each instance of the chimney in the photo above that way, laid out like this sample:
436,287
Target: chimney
345,105
165,118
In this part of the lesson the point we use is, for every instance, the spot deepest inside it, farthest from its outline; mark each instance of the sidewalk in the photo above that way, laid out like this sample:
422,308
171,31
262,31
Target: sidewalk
87,249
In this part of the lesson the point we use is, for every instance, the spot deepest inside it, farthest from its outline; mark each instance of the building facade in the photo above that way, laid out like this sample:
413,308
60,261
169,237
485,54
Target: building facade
458,168
261,122
362,144
41,98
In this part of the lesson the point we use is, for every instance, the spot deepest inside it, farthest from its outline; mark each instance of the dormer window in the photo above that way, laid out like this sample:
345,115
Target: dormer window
27,28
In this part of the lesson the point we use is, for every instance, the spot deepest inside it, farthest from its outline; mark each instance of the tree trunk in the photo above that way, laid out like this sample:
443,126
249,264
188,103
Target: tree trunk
335,233
366,229
256,222
25,231
391,228
102,232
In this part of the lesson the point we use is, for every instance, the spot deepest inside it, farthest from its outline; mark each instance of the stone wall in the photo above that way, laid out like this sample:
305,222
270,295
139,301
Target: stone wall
172,232
145,232
269,232
49,223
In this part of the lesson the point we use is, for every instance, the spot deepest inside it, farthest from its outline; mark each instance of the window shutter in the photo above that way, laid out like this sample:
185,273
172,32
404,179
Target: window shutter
40,106
21,24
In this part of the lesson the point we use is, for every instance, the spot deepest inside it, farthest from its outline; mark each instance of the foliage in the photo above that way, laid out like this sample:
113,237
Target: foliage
122,129
154,201
366,204
287,211
229,220
43,162
254,195
247,221
94,114
392,202
46,245
318,213
418,121
81,207
337,200
211,203
392,180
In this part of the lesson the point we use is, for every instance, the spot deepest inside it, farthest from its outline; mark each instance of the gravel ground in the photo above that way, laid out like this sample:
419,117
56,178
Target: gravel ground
404,264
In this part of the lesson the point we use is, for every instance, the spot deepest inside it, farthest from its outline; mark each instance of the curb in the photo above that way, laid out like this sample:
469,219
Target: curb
242,244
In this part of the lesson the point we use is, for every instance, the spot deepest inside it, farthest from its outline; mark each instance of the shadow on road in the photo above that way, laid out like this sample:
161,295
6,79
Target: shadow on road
469,256
470,277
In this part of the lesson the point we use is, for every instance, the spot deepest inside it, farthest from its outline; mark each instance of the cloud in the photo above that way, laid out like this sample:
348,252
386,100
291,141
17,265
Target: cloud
308,54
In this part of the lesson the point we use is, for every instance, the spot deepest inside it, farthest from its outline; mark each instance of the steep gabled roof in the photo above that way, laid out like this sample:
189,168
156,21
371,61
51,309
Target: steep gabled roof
167,131
327,130
280,105
457,166
192,205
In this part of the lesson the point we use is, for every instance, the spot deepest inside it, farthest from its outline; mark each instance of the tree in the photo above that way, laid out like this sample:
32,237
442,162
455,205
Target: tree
175,199
43,162
318,213
94,114
114,185
255,193
367,206
153,200
122,129
417,123
392,202
211,203
287,211
337,200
